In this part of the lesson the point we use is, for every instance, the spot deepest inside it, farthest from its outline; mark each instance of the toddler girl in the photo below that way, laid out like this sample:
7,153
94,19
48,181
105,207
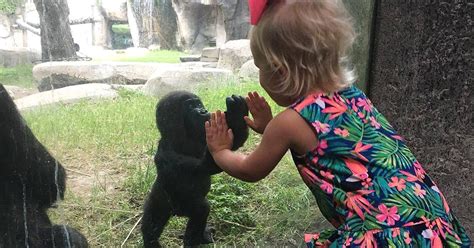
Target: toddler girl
366,181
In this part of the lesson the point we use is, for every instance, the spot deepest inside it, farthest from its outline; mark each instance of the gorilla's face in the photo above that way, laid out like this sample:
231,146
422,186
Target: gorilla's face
195,115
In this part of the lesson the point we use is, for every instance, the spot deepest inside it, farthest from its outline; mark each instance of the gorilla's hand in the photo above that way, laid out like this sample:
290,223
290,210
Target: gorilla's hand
236,110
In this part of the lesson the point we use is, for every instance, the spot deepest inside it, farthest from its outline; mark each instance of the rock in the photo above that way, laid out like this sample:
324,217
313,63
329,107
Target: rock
115,10
234,54
210,54
67,95
62,74
10,57
196,24
137,88
166,80
18,92
249,71
190,58
5,27
142,18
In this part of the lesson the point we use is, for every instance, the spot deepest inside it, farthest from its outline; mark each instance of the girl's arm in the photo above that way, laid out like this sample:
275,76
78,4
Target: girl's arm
257,165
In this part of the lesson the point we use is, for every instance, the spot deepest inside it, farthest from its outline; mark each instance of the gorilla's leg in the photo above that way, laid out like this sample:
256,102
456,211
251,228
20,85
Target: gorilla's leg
64,236
157,212
196,232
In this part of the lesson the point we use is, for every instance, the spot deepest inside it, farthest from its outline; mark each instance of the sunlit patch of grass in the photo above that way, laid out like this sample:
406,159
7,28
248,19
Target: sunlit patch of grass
21,75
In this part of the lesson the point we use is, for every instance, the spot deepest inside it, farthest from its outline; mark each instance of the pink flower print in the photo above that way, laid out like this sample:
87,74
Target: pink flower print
308,176
445,203
321,127
323,144
374,123
327,174
355,202
419,191
433,237
311,237
395,232
360,147
407,238
353,105
367,182
419,171
341,132
361,114
388,215
327,187
397,137
337,107
367,240
399,183
410,177
364,104
348,242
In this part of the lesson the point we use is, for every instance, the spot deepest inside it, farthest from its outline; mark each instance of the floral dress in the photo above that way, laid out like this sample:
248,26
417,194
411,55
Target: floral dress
366,181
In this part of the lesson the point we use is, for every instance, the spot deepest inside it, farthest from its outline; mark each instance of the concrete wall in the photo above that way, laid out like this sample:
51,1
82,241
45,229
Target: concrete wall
421,79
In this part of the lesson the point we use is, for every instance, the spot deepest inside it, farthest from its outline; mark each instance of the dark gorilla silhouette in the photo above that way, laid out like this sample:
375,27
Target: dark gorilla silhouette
185,166
31,181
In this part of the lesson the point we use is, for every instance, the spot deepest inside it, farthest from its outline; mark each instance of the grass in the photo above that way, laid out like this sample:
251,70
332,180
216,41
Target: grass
107,149
21,75
158,56
121,28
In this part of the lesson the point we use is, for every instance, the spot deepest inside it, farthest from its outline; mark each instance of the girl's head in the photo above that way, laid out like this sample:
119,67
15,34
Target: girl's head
301,46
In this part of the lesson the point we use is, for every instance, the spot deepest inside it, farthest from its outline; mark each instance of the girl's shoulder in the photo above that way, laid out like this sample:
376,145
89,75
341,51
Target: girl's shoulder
319,100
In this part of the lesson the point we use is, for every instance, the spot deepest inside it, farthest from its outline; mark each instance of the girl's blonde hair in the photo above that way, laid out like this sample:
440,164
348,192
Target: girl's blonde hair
308,41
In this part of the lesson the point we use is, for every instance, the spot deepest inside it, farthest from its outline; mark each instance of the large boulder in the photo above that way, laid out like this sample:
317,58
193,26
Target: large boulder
249,71
197,24
16,92
54,75
236,19
11,57
67,95
180,78
234,54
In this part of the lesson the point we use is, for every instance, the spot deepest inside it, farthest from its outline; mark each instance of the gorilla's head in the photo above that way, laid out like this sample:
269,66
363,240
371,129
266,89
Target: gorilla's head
180,118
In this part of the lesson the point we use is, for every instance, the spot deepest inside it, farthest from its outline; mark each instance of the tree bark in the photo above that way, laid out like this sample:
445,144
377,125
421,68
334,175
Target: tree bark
56,39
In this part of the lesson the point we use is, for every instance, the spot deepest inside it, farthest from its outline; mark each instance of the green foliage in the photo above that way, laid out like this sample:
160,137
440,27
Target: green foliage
21,75
9,6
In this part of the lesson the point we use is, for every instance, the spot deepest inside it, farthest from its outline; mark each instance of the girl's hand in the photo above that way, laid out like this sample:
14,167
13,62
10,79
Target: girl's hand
260,110
218,135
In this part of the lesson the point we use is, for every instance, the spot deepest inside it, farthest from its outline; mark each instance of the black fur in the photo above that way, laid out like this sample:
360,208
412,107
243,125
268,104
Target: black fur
31,180
185,166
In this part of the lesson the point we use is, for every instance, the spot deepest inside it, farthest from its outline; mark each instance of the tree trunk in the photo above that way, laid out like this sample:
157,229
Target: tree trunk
56,38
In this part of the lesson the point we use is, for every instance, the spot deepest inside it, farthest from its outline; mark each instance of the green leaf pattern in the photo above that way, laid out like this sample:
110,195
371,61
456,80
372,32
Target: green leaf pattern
380,194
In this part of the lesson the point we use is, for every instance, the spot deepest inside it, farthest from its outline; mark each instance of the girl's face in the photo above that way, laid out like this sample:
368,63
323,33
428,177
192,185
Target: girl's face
268,78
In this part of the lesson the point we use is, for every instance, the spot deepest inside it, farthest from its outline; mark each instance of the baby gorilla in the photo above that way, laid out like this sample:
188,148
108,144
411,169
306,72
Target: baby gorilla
185,166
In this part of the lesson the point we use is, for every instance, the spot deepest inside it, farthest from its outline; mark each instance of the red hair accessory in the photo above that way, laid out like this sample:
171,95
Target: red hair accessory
256,7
